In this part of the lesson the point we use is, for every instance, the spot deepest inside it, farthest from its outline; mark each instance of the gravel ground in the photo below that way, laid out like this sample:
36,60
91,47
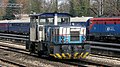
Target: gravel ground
105,60
3,64
24,57
11,44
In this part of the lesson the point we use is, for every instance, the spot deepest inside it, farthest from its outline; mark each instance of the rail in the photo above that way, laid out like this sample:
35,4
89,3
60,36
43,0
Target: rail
12,62
104,46
103,43
14,36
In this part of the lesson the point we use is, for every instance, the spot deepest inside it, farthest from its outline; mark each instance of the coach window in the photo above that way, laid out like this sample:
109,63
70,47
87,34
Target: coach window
10,25
105,23
96,22
115,23
16,24
23,24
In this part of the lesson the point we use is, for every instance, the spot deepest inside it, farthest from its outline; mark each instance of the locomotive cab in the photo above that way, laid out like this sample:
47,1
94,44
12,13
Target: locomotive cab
53,35
38,22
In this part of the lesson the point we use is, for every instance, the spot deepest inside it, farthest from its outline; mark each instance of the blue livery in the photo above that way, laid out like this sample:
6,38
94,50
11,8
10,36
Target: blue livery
15,26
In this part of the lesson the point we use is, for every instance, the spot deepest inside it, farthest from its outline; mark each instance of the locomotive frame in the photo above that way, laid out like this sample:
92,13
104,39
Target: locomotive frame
51,34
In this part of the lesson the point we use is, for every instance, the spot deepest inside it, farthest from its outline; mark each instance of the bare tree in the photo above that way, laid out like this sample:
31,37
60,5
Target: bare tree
80,7
108,7
64,6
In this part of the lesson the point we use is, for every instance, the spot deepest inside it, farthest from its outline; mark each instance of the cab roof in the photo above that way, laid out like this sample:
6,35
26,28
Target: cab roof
52,15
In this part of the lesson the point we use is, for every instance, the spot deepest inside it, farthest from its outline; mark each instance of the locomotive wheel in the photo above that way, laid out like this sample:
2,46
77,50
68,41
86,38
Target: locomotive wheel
40,53
32,48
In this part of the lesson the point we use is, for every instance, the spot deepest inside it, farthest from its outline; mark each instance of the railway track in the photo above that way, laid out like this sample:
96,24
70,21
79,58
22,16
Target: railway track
84,62
107,61
6,62
96,61
23,57
7,55
20,49
14,36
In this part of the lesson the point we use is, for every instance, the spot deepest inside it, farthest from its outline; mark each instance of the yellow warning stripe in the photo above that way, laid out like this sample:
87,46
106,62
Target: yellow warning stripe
85,55
63,55
58,55
53,55
80,55
75,55
69,56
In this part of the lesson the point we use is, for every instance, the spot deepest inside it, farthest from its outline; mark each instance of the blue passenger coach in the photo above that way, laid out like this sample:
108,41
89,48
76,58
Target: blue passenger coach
19,26
3,26
15,26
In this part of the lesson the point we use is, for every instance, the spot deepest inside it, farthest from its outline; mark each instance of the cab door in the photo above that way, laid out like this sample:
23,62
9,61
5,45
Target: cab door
33,29
41,32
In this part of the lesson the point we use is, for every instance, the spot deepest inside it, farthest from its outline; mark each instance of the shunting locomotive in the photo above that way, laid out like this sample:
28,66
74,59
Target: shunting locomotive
52,34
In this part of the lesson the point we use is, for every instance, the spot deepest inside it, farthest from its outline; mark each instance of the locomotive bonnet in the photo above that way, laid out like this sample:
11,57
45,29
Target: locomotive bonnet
52,34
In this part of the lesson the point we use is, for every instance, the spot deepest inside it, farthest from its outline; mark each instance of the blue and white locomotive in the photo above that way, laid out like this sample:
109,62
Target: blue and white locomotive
52,34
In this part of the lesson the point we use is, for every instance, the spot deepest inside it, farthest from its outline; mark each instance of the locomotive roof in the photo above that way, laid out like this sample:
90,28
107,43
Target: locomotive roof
52,15
79,19
105,19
